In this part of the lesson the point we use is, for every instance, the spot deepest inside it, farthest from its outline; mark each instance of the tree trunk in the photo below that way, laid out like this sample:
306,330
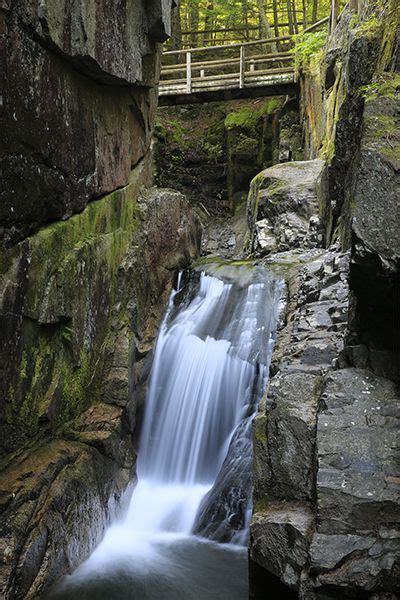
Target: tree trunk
304,5
208,21
245,13
290,16
194,23
265,29
276,18
295,25
314,11
176,30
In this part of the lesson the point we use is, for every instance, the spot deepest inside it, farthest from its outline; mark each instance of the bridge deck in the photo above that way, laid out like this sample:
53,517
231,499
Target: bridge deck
241,71
228,89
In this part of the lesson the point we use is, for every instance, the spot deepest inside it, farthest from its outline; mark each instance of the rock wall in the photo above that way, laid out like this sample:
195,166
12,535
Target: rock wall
90,251
81,304
326,510
78,102
211,152
350,108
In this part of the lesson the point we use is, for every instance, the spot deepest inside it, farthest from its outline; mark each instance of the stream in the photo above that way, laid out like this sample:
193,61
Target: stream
184,534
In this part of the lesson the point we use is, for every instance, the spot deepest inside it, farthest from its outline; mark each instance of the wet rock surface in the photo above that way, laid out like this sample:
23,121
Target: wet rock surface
324,443
340,336
280,539
90,292
324,439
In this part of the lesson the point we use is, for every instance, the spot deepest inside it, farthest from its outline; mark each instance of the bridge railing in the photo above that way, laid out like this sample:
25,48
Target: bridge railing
228,66
236,64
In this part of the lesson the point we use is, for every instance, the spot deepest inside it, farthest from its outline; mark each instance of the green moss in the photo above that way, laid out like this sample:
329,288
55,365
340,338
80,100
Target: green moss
22,369
212,259
308,49
382,126
247,116
77,391
392,152
369,29
387,85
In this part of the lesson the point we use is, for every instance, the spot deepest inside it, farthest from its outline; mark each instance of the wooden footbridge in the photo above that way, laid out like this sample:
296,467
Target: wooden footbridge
263,67
227,72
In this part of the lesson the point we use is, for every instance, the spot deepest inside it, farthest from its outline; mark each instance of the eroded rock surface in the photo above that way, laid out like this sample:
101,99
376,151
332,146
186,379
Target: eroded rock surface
325,449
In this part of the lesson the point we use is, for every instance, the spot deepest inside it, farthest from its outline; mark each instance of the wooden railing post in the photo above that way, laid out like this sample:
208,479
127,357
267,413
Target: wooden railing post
242,67
188,72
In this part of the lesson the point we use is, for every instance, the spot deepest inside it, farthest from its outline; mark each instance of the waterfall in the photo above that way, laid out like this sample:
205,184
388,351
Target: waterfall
210,366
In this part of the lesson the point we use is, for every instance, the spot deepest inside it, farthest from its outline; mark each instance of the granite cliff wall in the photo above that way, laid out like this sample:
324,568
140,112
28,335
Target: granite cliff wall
89,253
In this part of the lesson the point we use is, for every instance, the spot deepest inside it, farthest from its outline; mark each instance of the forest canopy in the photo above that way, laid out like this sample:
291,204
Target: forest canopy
207,22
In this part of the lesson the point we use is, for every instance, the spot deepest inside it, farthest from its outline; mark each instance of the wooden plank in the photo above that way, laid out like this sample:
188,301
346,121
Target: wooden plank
200,67
282,70
232,84
283,38
316,25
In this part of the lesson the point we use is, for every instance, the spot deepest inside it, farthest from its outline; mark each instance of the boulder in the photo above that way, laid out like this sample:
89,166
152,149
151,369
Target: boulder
282,207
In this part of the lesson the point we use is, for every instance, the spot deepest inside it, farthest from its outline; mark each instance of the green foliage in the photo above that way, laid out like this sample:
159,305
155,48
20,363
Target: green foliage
67,334
387,85
308,49
247,117
369,29
244,17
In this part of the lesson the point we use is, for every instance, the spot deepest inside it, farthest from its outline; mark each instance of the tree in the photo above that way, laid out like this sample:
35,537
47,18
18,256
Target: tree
314,11
176,29
194,21
265,29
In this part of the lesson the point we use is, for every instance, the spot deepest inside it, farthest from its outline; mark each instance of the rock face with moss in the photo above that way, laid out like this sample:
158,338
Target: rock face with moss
78,103
90,253
212,152
327,513
81,302
353,123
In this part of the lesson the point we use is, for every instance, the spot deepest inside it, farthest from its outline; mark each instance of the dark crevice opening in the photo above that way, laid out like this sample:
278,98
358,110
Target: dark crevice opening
263,585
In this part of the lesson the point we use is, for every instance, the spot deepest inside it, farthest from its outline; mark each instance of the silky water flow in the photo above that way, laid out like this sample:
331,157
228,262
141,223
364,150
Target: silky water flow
194,463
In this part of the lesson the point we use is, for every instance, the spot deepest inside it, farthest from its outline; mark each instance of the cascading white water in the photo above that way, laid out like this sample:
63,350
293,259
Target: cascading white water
210,366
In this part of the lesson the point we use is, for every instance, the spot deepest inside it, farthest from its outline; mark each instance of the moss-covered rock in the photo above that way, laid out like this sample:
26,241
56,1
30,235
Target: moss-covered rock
211,152
81,303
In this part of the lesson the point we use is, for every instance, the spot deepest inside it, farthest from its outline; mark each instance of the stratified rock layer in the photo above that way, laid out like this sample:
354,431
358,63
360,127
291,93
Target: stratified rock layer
324,439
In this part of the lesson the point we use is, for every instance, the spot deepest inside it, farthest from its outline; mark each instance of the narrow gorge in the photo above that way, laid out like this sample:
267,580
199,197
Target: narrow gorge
199,304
